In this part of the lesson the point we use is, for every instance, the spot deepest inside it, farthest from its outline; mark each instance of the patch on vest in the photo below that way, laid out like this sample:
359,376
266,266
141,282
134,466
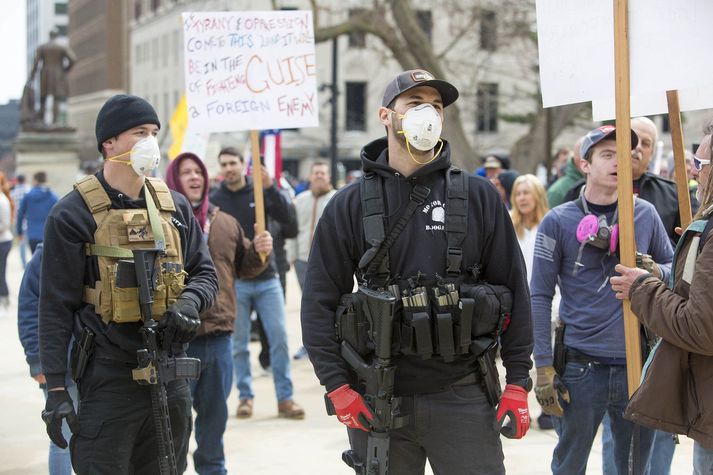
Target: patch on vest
138,228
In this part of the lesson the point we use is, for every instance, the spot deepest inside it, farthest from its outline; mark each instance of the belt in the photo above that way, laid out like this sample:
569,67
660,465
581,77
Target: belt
576,356
468,379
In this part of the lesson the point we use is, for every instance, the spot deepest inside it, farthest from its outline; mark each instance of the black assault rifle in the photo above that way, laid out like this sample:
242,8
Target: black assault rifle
379,381
156,368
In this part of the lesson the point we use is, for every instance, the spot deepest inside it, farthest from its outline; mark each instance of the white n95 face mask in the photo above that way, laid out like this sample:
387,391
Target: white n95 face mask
422,127
145,155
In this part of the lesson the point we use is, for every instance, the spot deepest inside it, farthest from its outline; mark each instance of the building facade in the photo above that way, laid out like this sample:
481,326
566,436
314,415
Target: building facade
98,35
486,48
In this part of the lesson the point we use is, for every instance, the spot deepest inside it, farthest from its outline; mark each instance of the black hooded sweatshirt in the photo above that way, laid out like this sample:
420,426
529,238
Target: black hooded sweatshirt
241,206
339,244
66,269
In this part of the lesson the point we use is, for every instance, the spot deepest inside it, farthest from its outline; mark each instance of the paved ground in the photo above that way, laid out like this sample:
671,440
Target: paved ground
261,445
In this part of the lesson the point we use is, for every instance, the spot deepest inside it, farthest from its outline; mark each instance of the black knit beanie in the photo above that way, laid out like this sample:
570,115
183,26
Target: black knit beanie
121,113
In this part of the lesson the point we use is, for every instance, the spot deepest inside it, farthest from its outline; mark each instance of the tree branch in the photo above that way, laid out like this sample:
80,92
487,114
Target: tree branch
459,36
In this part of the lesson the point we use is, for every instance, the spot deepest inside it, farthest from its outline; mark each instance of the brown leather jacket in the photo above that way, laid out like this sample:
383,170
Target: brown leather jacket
233,256
676,394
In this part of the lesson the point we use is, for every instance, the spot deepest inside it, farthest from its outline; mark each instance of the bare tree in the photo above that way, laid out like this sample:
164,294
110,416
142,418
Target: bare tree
396,24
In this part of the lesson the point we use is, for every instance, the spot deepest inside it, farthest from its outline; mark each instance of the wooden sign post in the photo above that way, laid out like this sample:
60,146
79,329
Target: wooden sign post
627,247
679,158
257,185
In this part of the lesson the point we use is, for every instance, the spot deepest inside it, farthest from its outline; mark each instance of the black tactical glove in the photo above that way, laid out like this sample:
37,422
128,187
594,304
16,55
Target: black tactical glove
180,323
59,406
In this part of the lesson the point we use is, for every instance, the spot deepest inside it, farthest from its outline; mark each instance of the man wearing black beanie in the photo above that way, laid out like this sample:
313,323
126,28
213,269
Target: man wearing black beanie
89,290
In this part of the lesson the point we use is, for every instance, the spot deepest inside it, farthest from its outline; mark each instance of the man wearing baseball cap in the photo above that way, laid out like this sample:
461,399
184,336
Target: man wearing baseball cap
577,248
88,290
409,369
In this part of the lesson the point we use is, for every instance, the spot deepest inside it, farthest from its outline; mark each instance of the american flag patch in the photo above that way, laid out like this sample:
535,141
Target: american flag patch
545,247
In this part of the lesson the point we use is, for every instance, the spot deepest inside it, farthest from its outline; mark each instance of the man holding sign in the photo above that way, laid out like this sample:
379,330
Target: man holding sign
410,368
262,293
576,247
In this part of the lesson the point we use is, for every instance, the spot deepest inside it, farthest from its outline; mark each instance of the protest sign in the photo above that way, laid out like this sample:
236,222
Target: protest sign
576,48
250,70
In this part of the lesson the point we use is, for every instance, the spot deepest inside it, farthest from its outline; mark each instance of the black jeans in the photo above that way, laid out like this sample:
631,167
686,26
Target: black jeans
117,434
4,251
455,429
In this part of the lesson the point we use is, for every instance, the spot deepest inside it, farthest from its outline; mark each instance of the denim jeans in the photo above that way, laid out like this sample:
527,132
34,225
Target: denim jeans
60,461
23,246
301,271
661,452
210,394
455,430
266,298
595,389
702,460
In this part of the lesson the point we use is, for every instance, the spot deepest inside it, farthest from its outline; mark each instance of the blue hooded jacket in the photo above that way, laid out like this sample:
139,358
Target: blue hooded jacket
28,303
34,208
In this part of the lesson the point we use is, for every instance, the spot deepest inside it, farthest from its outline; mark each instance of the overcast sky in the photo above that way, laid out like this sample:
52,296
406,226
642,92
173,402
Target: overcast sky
12,51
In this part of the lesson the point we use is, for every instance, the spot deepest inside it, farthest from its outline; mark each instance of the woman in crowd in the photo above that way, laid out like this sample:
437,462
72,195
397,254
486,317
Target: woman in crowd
7,211
529,206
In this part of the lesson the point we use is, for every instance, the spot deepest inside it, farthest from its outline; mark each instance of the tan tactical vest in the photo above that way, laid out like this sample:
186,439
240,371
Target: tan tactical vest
119,231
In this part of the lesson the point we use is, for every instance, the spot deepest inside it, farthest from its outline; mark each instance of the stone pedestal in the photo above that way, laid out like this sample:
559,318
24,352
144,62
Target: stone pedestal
56,152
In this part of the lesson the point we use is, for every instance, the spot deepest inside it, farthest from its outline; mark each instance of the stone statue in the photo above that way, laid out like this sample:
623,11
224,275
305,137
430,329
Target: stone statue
54,60
29,118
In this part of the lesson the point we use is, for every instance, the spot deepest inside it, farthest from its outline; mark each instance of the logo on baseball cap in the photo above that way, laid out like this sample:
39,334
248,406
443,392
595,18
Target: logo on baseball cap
605,132
418,77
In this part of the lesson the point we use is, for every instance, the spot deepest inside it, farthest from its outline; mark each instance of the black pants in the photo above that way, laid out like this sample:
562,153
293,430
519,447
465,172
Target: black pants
117,434
4,251
455,430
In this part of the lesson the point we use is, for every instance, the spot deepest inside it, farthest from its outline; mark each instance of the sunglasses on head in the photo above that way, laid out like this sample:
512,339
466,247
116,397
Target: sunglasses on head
699,163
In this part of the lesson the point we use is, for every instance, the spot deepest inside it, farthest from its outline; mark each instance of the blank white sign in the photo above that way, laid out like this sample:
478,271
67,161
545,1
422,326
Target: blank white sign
669,44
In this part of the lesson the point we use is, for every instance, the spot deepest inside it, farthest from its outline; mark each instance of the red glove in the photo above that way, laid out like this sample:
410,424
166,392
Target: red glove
513,403
350,408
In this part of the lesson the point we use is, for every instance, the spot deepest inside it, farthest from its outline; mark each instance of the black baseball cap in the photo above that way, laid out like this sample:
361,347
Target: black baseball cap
419,77
605,132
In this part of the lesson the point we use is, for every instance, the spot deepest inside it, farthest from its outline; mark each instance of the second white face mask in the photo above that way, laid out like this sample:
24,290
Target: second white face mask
145,155
422,127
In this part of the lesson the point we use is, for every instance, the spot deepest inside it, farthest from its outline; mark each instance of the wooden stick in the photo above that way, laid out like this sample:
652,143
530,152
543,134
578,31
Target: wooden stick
257,186
627,248
679,158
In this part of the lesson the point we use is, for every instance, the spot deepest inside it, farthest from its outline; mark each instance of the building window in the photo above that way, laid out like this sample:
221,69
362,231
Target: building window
154,52
62,30
60,8
488,30
164,50
357,39
486,114
425,21
137,9
356,106
665,124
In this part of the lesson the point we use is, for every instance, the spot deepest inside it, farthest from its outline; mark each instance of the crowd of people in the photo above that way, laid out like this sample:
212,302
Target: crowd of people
452,268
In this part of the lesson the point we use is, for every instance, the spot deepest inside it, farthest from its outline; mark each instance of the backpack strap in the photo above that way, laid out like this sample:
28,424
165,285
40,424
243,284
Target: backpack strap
704,234
456,218
373,219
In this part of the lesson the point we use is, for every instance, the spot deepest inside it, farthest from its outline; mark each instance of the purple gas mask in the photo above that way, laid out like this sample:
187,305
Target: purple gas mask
595,231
